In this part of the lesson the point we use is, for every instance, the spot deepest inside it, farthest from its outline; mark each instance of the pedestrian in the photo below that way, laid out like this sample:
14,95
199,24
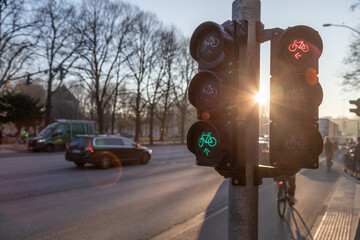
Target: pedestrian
24,136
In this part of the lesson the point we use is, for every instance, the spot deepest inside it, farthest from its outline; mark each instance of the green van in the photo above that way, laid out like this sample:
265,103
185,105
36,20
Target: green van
56,135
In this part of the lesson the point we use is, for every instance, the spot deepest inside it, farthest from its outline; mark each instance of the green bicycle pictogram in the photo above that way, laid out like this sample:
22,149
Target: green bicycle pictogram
208,139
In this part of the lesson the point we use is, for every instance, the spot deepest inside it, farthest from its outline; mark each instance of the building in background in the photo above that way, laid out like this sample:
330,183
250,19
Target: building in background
348,127
329,128
64,104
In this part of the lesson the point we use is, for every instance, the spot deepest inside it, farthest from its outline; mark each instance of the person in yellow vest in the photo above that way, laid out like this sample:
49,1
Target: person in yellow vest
24,136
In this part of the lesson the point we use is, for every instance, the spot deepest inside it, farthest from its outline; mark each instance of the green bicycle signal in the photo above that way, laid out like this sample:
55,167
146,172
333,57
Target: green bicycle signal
209,140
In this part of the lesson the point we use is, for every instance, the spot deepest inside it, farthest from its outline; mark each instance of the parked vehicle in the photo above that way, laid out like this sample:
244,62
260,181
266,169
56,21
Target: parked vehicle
56,135
105,151
264,152
329,128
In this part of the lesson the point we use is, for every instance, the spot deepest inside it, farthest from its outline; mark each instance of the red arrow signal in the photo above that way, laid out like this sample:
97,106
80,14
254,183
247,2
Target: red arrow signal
297,55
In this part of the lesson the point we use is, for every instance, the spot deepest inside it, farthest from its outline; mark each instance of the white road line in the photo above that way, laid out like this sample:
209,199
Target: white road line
185,226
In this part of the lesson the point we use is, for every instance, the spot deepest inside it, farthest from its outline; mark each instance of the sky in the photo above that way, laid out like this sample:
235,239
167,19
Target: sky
186,15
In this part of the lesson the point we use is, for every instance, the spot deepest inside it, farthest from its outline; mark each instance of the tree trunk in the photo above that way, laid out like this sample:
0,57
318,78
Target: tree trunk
100,114
182,125
138,120
48,102
151,125
137,126
113,116
162,130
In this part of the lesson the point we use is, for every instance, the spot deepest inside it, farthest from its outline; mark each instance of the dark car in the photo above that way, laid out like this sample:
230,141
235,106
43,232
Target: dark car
105,151
264,152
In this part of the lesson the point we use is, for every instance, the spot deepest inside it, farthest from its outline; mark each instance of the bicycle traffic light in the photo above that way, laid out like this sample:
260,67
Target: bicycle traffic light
28,79
213,90
357,103
295,95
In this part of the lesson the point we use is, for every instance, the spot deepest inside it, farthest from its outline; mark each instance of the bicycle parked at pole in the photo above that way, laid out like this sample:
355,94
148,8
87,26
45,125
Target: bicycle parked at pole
352,160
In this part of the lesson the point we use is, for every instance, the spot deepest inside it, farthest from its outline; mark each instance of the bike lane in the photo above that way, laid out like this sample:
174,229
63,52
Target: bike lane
315,194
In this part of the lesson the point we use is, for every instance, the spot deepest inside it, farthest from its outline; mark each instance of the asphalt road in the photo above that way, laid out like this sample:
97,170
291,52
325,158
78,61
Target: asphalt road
45,197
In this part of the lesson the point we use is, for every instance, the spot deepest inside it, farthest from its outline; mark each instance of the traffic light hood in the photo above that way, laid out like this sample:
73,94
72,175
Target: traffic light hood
210,45
301,44
209,141
209,92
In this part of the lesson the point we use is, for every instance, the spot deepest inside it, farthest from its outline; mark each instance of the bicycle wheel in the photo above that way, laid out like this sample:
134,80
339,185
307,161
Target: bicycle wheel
281,200
212,141
305,48
201,142
292,47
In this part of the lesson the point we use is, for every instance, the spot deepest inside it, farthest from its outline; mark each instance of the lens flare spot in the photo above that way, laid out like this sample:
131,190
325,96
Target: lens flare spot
311,76
205,116
277,93
107,180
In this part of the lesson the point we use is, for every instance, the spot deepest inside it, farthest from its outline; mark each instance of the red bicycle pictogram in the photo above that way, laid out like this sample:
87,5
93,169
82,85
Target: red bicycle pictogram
298,45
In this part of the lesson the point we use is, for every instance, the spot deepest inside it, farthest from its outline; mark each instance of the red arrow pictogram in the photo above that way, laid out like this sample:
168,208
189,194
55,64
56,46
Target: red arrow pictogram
297,55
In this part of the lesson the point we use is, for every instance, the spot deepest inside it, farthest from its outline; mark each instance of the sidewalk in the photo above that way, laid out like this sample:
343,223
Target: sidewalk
337,217
16,148
13,148
341,219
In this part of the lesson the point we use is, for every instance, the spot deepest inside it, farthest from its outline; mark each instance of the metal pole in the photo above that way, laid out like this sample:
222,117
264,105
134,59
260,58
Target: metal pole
243,200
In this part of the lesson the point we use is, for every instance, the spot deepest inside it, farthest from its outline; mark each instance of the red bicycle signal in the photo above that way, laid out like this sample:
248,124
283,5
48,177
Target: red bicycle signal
298,45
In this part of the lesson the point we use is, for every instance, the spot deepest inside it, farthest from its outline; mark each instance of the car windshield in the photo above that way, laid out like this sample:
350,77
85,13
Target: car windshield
79,142
46,132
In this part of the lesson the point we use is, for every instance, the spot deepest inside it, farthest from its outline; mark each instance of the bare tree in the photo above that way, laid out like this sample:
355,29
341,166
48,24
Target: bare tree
15,41
187,69
142,60
106,28
153,92
124,120
117,96
83,97
355,5
351,78
58,43
169,52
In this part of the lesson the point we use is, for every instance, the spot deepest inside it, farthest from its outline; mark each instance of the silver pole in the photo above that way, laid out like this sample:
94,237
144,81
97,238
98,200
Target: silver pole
243,200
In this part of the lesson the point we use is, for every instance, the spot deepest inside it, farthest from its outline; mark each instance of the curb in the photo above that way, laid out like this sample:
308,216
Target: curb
341,218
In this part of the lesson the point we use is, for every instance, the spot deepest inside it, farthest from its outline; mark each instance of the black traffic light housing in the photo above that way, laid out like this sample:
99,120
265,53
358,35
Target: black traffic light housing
28,79
211,44
357,104
219,50
295,95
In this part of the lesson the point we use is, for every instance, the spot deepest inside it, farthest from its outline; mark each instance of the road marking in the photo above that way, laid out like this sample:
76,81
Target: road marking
195,221
187,225
335,224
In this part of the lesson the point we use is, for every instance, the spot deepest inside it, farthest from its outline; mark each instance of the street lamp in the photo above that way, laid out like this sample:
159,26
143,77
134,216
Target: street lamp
340,25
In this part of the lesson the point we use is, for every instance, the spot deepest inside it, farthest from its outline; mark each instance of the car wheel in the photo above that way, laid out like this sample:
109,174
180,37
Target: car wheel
145,158
105,162
49,148
80,165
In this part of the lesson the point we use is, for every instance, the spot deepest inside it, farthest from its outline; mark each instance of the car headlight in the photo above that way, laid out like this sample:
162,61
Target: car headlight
41,140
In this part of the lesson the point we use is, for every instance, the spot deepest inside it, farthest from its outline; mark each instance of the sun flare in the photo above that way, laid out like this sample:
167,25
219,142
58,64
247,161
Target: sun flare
262,97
